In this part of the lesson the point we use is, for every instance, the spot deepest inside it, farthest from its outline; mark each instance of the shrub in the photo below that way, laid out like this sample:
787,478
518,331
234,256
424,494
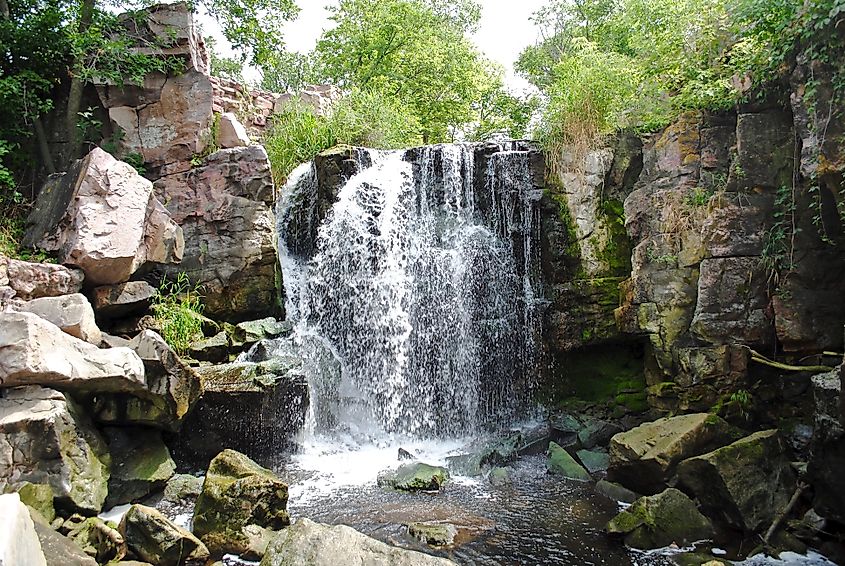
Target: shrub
178,312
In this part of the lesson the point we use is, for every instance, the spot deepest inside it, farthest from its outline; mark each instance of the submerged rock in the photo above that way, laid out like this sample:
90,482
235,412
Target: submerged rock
315,544
236,493
660,520
154,538
19,544
644,458
560,462
415,476
433,534
746,483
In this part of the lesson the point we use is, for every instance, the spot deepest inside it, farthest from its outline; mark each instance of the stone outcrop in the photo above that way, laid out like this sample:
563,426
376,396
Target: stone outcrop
34,351
307,542
46,439
224,208
237,493
102,217
72,313
19,544
645,457
154,538
746,483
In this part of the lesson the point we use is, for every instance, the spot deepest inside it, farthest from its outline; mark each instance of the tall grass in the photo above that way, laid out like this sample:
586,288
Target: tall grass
178,311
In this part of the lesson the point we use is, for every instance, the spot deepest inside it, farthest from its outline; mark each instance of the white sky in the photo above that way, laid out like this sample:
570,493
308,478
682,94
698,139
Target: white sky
503,32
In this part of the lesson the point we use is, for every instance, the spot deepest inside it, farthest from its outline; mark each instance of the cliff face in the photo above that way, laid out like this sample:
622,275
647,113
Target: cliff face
719,235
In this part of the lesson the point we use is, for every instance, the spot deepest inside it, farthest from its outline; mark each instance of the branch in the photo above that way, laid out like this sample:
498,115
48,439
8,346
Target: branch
761,359
783,514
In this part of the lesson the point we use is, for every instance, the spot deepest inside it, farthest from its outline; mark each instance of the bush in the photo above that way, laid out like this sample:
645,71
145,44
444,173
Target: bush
178,312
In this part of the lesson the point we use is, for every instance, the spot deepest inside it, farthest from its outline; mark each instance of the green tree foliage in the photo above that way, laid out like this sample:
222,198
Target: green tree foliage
289,71
227,68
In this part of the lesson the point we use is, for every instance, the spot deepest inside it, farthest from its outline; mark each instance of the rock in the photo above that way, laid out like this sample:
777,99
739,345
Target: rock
214,349
238,492
34,351
232,133
499,476
38,496
597,433
564,430
35,280
828,448
141,464
252,331
101,216
644,458
224,208
19,544
72,313
306,542
594,460
259,539
405,455
493,453
98,539
616,492
414,476
433,534
172,388
561,463
58,549
45,438
154,538
746,483
660,520
254,407
124,299
182,487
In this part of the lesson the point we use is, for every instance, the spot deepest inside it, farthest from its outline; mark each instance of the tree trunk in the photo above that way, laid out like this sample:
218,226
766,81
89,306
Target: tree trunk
77,86
4,9
43,146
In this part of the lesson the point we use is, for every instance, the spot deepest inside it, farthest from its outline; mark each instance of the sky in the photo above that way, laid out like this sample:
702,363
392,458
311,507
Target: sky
504,30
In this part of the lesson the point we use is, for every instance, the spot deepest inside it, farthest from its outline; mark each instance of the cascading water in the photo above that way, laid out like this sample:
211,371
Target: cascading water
415,304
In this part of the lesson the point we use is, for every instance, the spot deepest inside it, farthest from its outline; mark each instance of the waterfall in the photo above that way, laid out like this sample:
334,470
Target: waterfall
414,295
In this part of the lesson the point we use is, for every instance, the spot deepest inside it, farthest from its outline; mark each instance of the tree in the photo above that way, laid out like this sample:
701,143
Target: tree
289,71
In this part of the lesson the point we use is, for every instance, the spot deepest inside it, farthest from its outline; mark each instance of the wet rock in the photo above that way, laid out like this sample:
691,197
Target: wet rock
72,313
254,407
154,538
19,544
238,492
58,549
616,492
232,132
405,455
102,217
172,388
644,458
564,430
828,449
535,440
124,299
251,331
306,542
433,534
45,438
214,349
414,476
183,487
141,464
660,520
259,539
745,483
596,432
34,351
98,539
38,496
594,460
561,463
493,453
499,476
35,280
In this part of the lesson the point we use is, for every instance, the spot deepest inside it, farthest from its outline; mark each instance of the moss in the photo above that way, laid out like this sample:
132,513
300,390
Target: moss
555,192
615,254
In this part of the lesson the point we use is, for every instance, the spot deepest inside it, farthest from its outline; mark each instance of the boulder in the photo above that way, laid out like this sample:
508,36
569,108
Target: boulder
19,544
72,313
561,463
96,538
253,407
45,438
214,349
249,332
124,299
616,492
307,542
232,132
433,534
746,483
58,549
154,538
35,280
659,520
183,487
141,464
486,455
414,476
236,493
594,460
172,388
224,208
38,496
828,448
34,351
102,217
644,458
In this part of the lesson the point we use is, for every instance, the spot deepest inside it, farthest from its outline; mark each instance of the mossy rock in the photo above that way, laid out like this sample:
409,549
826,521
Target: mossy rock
38,496
238,492
660,520
415,476
141,464
153,537
560,462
